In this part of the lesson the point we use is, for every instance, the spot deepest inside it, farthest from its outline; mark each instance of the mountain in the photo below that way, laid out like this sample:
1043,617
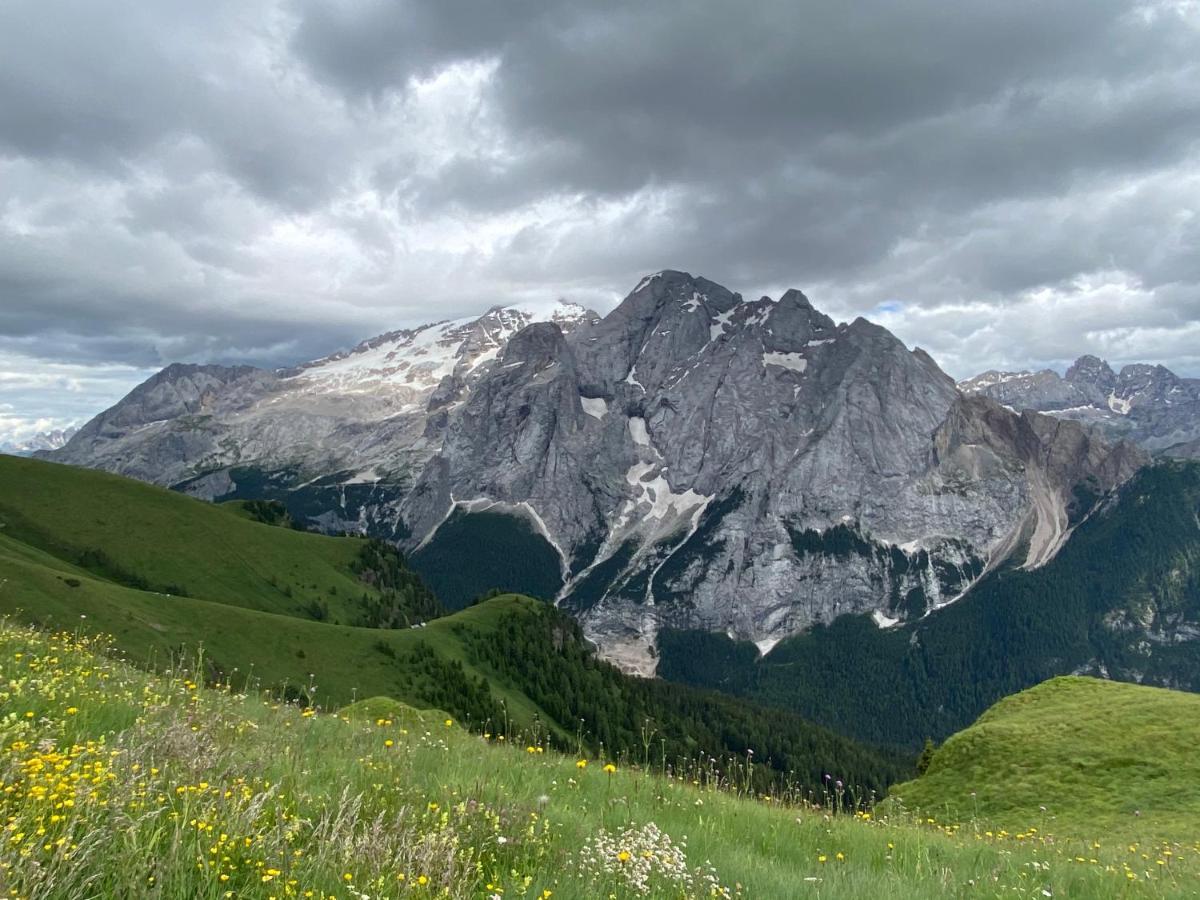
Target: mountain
690,460
748,467
1121,600
1150,405
47,440
339,439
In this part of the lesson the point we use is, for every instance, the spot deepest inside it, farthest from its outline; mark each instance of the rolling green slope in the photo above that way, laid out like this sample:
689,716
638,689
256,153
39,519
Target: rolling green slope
148,538
272,650
1072,754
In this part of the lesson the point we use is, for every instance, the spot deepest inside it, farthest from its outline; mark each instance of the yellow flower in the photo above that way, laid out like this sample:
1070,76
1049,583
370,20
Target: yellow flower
840,856
610,768
422,880
821,858
623,856
449,722
389,743
71,710
582,764
347,877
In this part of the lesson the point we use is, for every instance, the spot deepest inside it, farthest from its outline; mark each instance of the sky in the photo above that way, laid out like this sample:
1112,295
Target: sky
1007,185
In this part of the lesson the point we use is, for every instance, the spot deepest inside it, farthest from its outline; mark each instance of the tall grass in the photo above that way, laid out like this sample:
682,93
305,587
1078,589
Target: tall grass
118,783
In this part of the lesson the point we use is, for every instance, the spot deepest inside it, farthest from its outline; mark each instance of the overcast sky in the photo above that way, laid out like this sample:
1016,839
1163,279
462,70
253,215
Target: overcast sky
1007,184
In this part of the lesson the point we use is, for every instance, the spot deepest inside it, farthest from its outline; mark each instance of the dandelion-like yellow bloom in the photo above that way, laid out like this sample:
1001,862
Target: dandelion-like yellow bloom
582,764
610,768
623,856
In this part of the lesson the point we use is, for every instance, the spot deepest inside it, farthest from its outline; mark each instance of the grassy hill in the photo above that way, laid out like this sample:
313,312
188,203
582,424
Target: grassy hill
1075,753
90,552
147,538
118,783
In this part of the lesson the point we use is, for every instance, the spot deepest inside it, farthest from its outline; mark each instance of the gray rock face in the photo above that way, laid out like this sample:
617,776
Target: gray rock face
345,435
695,459
1149,405
753,467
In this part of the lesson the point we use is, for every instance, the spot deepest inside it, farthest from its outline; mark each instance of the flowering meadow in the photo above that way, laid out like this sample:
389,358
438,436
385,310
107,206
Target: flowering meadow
119,783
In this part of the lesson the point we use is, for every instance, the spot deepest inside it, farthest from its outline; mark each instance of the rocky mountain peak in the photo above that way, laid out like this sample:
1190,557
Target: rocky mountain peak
1091,370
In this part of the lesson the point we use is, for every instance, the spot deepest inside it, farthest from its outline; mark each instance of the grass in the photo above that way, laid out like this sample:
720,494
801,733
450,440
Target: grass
1073,753
143,536
248,646
119,783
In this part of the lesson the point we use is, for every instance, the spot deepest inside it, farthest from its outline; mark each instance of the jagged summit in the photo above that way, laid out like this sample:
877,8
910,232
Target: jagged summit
1092,370
1148,404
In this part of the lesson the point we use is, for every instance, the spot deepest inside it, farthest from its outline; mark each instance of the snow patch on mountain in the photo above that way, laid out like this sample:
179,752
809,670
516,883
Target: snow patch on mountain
793,361
596,407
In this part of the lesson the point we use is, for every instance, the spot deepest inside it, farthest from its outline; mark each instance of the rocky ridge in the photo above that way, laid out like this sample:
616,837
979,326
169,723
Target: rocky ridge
1149,405
46,440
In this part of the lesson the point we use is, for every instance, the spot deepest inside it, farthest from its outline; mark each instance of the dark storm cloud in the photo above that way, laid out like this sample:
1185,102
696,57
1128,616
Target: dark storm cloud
266,180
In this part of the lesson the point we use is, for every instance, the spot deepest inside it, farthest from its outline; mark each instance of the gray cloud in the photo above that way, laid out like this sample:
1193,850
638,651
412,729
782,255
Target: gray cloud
267,180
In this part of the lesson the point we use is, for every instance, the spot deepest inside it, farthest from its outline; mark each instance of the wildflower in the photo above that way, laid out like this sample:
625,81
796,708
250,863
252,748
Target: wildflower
821,858
610,768
582,764
449,722
72,710
841,857
422,880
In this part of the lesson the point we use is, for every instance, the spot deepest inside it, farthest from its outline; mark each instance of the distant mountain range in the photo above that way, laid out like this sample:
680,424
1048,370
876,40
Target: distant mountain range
1150,405
47,440
691,460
